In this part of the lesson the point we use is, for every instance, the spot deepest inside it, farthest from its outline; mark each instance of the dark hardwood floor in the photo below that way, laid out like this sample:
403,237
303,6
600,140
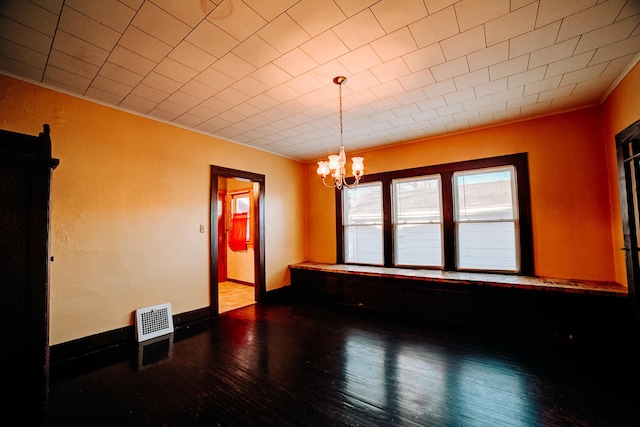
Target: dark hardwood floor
318,365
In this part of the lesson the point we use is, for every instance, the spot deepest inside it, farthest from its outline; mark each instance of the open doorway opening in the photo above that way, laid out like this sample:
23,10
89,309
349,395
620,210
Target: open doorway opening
237,239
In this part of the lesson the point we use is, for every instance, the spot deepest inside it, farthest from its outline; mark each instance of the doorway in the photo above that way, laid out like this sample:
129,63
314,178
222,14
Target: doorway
237,239
628,152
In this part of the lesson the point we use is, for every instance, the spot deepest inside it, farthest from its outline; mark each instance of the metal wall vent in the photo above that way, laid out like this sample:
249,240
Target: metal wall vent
153,321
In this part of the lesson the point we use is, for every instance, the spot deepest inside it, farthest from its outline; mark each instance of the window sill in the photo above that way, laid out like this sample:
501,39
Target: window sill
477,279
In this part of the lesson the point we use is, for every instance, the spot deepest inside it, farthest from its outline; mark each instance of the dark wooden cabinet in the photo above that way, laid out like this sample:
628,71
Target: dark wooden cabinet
598,309
25,183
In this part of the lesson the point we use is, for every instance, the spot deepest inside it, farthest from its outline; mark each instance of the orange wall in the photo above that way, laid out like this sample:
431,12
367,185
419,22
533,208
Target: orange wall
127,203
573,185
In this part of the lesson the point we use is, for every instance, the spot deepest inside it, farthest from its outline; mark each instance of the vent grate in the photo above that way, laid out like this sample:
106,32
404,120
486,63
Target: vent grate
153,321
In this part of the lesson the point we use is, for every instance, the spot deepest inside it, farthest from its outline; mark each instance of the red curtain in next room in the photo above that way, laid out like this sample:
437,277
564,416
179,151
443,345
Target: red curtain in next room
238,238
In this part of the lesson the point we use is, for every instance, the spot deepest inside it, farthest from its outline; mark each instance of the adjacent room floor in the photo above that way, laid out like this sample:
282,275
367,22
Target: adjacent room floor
232,295
319,365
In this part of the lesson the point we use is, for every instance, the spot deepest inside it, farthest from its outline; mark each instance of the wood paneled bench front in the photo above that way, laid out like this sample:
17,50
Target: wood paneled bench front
540,305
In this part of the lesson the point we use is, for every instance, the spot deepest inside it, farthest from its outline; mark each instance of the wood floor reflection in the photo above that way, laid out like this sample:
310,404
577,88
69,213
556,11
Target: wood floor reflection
232,295
317,365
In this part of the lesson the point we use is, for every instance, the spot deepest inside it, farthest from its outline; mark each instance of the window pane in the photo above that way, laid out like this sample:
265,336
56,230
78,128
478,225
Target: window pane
418,221
487,246
363,224
363,244
485,194
363,204
419,244
417,200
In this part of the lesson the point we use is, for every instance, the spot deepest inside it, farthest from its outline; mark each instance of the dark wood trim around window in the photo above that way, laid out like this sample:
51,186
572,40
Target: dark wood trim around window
519,161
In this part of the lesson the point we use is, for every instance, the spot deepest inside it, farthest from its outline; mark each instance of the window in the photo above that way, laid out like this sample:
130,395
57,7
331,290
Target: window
486,219
473,216
417,221
241,208
363,224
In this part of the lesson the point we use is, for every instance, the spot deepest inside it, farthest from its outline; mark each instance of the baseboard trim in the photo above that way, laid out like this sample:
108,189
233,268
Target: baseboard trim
115,339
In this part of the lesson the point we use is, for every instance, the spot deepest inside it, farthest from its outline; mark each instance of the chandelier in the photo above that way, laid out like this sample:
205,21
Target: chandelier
336,163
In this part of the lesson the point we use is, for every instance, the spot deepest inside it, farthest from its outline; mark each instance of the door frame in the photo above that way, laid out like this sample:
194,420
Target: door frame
259,243
627,211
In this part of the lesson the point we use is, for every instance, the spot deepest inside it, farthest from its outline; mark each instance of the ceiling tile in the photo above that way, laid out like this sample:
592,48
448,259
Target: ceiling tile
131,61
22,54
584,74
396,44
295,62
24,36
80,49
256,51
553,10
390,70
534,40
175,70
111,13
70,80
138,103
360,59
570,64
103,96
233,66
553,53
73,65
144,45
198,90
85,28
450,69
474,78
610,34
283,33
488,56
192,56
435,27
616,50
590,19
526,77
394,14
440,88
31,15
250,86
463,43
212,39
270,9
507,68
417,80
118,73
511,25
160,24
491,87
236,19
542,85
350,32
353,7
424,58
110,86
189,12
161,83
472,13
324,47
316,16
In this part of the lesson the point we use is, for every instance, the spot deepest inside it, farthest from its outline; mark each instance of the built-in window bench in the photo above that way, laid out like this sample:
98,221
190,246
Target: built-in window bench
567,307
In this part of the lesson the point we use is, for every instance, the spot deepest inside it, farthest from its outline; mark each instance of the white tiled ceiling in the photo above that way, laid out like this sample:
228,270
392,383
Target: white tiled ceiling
259,72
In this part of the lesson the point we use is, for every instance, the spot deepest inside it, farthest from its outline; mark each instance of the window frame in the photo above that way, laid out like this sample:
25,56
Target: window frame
519,161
